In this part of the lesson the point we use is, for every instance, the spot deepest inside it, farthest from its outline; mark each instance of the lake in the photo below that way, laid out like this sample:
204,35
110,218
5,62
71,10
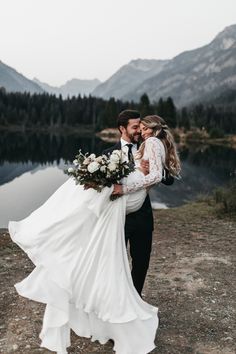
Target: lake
32,164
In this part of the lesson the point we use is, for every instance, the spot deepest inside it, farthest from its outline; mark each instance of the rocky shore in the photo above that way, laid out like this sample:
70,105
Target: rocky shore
191,279
196,136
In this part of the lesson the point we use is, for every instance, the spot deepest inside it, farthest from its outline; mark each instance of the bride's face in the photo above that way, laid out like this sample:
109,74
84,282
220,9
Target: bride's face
145,131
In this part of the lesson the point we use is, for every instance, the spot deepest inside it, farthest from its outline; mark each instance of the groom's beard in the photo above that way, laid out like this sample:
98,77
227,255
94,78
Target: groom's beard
135,138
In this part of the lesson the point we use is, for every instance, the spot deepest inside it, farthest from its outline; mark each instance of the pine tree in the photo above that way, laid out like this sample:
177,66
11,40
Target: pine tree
184,119
144,105
170,113
161,108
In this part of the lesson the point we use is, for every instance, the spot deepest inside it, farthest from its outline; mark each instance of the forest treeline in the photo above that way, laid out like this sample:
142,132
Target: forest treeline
45,110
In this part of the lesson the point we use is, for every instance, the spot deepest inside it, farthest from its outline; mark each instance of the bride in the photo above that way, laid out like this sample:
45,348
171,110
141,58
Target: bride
76,242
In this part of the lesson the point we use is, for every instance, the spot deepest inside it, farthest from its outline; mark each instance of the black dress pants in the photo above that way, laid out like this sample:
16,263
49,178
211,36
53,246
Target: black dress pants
140,242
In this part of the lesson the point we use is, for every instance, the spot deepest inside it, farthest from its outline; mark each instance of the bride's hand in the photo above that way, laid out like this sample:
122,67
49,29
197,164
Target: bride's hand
117,189
144,166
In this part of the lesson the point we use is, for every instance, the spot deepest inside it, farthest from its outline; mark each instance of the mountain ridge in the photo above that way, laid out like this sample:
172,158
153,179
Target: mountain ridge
72,87
192,74
129,75
189,77
13,81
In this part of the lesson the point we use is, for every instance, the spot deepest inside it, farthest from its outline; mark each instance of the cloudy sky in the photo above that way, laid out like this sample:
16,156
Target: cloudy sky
56,40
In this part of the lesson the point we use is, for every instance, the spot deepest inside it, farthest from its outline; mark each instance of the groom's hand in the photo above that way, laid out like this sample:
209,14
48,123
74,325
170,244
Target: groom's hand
144,165
117,189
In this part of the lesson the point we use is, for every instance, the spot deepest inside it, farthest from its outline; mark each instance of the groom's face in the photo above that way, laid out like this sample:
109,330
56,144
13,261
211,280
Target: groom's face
132,131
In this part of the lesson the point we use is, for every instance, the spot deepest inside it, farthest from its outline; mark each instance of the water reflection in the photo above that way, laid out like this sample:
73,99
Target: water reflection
43,148
28,191
203,169
31,169
220,160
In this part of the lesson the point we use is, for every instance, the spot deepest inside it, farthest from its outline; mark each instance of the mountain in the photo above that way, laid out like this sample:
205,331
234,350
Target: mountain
11,170
11,80
190,76
128,77
226,99
72,87
195,75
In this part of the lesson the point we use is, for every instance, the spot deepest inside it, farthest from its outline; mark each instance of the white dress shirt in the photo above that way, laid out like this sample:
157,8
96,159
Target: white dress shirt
125,149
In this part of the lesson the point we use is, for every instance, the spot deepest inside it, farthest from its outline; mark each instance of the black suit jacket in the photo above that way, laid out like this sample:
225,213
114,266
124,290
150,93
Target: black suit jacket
141,220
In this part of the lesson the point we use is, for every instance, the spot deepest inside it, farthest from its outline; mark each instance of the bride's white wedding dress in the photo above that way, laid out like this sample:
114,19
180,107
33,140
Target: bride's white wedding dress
76,241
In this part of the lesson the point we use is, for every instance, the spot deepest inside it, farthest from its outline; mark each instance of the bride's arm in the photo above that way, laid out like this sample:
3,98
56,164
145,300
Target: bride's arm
154,153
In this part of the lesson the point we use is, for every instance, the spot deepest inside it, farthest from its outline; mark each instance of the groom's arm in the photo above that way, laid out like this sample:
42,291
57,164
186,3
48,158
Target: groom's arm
144,165
106,152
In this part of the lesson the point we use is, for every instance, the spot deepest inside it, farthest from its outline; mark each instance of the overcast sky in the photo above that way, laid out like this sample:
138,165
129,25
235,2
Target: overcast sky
56,40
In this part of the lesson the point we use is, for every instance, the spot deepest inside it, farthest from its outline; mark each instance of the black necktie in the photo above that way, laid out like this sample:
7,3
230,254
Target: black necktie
130,155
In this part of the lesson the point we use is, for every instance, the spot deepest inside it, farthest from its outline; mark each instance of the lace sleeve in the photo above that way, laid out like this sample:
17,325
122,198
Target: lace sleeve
154,153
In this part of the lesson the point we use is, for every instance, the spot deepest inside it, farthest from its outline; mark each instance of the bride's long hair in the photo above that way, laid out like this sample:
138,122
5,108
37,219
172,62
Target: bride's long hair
162,132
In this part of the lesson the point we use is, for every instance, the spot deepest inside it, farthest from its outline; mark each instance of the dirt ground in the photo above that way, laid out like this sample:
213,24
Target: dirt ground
191,279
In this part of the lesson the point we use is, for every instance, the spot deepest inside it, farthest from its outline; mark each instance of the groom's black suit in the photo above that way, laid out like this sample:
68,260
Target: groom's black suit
138,230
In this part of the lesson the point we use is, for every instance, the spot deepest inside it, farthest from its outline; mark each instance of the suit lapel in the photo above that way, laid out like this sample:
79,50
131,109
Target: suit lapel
117,146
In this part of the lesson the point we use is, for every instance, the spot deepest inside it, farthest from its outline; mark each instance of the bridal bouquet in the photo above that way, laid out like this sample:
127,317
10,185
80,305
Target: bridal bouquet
98,172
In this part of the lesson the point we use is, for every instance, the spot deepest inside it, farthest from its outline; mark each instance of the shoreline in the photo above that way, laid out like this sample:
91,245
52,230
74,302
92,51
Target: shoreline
112,134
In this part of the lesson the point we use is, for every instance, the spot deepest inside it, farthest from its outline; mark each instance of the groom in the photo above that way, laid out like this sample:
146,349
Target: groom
138,225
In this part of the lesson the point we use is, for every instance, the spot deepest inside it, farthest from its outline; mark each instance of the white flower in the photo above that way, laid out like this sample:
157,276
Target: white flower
111,166
70,170
114,158
117,152
75,162
93,167
103,168
86,161
99,159
92,157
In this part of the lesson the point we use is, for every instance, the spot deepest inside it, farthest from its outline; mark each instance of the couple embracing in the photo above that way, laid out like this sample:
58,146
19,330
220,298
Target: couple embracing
77,240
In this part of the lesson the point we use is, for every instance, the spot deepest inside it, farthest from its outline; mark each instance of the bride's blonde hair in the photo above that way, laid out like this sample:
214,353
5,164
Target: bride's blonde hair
162,132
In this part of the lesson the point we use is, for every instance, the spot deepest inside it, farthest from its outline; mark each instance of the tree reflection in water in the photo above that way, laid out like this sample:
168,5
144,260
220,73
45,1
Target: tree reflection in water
46,155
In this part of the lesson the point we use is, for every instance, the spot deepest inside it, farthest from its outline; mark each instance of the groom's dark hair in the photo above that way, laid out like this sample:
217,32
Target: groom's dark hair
125,116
